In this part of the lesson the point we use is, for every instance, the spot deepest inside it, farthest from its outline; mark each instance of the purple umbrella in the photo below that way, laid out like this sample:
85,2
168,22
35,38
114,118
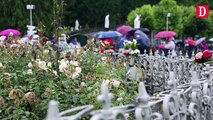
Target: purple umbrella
8,31
124,29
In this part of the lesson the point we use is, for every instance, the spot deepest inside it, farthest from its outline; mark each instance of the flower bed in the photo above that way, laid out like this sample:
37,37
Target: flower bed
32,76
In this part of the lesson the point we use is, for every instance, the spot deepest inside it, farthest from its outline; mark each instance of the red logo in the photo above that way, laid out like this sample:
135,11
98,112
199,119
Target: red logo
202,11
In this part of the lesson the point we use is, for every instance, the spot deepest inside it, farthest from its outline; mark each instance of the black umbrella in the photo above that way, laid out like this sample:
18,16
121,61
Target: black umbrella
145,30
72,33
82,39
142,38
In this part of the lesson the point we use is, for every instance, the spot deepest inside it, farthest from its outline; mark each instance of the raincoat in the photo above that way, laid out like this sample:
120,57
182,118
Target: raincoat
203,46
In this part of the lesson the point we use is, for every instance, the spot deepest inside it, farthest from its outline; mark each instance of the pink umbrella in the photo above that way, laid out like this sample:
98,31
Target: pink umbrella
190,42
124,29
165,34
8,31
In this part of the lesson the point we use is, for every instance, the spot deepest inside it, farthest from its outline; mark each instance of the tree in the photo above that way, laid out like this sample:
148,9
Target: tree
146,12
17,16
13,17
43,13
160,12
93,12
193,26
210,30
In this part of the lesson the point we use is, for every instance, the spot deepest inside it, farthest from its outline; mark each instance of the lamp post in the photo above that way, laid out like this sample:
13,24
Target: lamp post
30,7
167,17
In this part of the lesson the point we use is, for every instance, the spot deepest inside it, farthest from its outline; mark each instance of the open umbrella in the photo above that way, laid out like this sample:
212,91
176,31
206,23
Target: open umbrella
124,29
8,31
190,42
140,35
96,35
145,30
82,39
142,38
197,42
165,34
211,39
108,34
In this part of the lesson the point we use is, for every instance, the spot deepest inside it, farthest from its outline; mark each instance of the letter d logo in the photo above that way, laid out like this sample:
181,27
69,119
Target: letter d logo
202,11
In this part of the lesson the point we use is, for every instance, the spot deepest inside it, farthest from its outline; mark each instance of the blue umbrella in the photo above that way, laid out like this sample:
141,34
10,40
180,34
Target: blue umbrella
108,34
142,38
97,34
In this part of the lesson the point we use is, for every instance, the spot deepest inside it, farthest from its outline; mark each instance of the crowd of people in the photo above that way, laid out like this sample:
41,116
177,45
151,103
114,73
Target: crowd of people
169,45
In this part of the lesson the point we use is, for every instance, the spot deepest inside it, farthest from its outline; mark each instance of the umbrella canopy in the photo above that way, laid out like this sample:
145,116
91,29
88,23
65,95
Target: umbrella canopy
109,34
197,42
96,35
82,39
145,30
190,42
142,38
165,34
124,29
8,31
211,39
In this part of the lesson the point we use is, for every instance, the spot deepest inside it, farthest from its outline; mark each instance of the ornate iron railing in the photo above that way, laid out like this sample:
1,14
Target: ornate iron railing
187,94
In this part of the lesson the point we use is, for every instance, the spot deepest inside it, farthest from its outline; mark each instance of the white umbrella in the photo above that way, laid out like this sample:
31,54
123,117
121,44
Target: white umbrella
197,42
211,39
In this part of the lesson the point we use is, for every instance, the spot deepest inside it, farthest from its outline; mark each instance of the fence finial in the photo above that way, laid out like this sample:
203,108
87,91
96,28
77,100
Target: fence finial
105,97
172,82
53,111
143,96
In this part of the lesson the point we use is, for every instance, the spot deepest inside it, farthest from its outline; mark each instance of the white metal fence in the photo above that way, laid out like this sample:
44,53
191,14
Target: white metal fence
186,91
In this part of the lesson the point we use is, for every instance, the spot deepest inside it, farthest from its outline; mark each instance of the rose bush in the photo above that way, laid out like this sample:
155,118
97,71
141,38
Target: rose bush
30,77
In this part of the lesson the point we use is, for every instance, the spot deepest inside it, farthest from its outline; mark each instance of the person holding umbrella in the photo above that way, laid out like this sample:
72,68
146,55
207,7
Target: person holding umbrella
168,46
190,46
143,41
121,41
62,43
124,30
74,44
203,46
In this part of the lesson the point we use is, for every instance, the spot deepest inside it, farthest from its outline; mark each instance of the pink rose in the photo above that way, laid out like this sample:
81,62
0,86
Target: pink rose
198,56
126,52
125,41
108,51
